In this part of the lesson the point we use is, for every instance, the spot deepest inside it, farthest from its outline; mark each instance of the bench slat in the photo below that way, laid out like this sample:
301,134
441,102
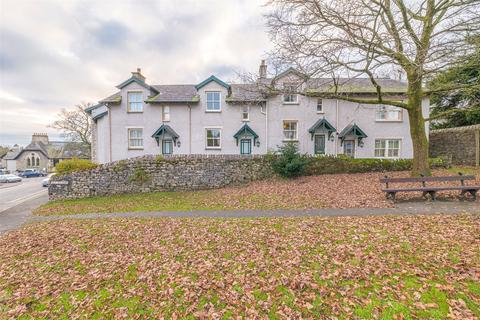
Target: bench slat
432,188
426,179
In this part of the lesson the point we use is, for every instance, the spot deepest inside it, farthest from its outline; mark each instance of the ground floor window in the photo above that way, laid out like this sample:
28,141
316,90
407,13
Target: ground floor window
135,138
213,138
246,146
167,146
387,148
290,130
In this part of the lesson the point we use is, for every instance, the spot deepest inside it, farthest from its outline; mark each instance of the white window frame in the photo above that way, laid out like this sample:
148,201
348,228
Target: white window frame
387,148
166,113
130,147
384,109
290,130
219,101
129,109
320,103
247,112
219,139
285,85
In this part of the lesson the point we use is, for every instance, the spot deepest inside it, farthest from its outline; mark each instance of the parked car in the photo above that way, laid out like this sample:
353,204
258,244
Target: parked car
46,182
29,173
8,178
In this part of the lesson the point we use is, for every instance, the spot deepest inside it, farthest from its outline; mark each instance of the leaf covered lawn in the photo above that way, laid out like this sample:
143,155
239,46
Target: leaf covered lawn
395,267
361,190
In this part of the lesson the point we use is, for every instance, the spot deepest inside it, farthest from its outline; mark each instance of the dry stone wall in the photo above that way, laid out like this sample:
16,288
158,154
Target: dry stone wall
157,173
460,145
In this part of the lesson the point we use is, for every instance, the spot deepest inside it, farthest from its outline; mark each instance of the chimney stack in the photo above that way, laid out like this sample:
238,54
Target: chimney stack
40,137
262,71
138,74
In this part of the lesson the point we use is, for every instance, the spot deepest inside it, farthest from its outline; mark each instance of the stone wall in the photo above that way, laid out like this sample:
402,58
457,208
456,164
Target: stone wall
461,145
157,173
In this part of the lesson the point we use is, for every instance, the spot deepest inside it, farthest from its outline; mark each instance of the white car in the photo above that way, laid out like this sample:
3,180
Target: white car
8,178
46,182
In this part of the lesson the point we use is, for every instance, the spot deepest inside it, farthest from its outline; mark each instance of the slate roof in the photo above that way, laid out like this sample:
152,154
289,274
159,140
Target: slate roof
12,154
188,93
54,149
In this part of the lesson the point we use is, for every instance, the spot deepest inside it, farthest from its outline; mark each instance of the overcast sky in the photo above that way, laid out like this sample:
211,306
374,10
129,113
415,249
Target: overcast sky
57,53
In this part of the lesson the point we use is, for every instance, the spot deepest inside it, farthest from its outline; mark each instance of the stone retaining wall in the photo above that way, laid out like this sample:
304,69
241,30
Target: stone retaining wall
157,173
461,145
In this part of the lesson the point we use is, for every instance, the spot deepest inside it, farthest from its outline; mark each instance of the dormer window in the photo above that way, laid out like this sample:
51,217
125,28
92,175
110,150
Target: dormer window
135,103
213,101
290,96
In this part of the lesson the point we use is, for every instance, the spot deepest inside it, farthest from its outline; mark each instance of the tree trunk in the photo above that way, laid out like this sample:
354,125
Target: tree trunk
417,128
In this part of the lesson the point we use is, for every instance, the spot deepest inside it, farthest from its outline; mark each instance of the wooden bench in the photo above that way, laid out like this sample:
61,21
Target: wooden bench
430,190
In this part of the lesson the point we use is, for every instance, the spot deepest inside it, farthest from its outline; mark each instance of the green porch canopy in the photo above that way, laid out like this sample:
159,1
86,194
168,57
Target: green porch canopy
322,125
352,130
245,130
165,130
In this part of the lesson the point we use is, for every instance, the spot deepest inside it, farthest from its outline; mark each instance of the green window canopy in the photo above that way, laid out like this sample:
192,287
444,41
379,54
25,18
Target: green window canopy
322,125
245,130
165,130
352,130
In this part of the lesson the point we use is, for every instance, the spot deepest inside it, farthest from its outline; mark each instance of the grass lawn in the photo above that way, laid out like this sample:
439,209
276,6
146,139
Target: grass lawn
395,267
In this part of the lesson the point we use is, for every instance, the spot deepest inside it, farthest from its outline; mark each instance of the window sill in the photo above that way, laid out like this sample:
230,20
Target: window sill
290,140
245,120
134,111
377,120
130,148
290,103
320,112
213,148
213,111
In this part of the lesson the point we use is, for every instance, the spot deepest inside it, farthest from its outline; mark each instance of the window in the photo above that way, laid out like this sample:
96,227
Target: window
135,138
387,148
28,162
245,115
213,138
135,101
213,101
289,95
388,113
319,106
38,162
166,113
289,130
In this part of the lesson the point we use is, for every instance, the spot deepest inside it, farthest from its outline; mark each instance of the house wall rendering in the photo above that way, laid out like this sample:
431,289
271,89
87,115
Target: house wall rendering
214,117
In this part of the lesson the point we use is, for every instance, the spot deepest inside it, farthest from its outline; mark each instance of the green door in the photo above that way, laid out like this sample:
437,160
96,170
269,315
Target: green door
246,146
167,147
349,148
319,144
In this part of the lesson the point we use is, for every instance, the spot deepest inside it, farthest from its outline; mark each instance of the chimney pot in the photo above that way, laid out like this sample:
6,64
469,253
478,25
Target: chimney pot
262,71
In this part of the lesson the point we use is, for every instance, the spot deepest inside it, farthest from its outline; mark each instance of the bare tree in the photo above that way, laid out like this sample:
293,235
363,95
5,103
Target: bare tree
367,38
75,124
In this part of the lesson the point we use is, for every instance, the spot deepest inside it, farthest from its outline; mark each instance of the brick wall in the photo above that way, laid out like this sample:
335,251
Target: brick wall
461,144
151,173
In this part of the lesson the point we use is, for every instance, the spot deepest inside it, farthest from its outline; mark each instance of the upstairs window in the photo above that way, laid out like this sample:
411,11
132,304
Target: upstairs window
213,101
213,138
290,95
388,113
387,148
319,106
135,103
245,113
166,114
135,138
290,130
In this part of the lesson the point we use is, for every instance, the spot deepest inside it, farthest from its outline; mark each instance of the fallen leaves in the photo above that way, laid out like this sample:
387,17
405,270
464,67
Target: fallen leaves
350,267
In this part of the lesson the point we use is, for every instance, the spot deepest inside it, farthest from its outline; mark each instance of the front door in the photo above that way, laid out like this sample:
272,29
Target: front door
349,148
246,146
167,147
319,144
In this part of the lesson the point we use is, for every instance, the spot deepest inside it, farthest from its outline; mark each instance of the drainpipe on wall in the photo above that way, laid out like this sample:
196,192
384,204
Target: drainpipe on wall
266,126
189,129
109,132
336,125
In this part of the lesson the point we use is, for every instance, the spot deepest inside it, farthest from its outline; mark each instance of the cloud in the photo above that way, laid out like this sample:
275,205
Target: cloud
55,53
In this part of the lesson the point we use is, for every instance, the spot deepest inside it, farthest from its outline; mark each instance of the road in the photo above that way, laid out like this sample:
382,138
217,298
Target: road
13,194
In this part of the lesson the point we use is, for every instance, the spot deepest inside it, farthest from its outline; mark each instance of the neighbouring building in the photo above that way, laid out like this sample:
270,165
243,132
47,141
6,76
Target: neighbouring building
215,117
43,154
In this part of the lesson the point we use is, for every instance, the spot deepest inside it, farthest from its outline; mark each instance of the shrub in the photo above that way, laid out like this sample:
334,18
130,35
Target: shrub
288,162
342,164
74,165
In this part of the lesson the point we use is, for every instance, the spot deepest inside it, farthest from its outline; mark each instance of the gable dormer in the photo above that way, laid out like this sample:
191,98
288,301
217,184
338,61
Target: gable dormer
213,93
139,78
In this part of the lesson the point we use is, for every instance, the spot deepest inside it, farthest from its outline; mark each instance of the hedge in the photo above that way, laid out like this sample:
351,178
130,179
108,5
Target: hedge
342,164
73,165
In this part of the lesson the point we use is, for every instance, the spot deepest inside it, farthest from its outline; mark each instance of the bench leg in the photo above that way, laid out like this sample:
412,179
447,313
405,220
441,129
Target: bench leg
462,194
391,195
474,194
433,195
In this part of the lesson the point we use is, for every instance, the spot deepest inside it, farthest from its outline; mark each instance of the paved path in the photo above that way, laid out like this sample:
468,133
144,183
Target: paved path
14,217
401,209
13,194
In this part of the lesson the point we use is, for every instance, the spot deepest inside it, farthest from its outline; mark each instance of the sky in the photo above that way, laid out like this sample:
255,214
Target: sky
55,54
